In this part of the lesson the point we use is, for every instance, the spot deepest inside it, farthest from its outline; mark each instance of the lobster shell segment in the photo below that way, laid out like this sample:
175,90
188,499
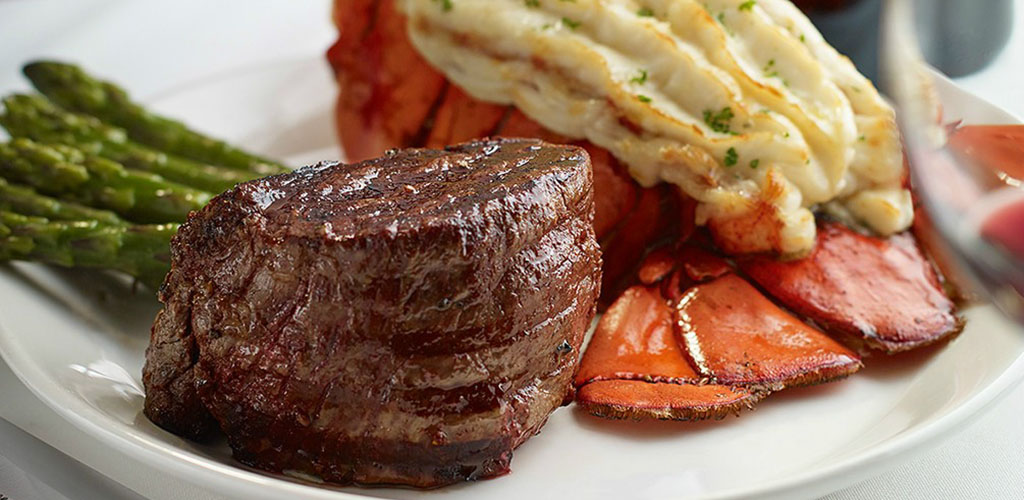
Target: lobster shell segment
388,91
882,293
736,336
635,340
638,400
634,368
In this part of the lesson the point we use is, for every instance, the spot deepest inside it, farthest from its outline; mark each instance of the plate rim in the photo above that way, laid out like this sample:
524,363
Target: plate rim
866,464
238,479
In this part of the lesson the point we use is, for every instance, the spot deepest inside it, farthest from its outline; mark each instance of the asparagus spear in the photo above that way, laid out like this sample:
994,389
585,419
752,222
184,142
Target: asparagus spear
142,251
25,200
70,87
34,117
68,173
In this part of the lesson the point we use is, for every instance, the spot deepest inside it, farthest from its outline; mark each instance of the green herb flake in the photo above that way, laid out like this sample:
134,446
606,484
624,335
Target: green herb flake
721,20
719,122
861,138
569,23
748,5
643,98
446,5
640,78
769,69
802,39
532,3
645,12
731,157
755,162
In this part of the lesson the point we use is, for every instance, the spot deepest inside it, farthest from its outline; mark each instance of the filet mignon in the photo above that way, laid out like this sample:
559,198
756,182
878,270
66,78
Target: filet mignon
405,320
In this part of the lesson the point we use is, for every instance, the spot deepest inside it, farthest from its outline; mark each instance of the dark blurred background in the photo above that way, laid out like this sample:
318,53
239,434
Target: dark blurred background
959,37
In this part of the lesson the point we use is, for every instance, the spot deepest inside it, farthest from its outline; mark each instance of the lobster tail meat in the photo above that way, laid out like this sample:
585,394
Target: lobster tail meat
638,400
734,335
883,293
634,368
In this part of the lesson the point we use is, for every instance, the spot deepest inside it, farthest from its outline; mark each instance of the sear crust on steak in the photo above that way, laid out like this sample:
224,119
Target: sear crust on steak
406,320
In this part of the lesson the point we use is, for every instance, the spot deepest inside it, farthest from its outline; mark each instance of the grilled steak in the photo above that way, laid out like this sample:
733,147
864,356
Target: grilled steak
405,320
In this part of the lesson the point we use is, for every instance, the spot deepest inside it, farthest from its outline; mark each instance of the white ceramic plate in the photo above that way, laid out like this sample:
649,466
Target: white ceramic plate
77,340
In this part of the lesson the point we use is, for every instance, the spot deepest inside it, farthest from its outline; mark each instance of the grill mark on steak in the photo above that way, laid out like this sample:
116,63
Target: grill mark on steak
397,321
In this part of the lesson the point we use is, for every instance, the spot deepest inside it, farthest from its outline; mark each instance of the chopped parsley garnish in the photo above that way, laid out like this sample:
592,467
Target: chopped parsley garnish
755,162
719,122
532,3
645,12
748,5
446,5
640,78
721,19
769,69
569,23
802,39
861,138
731,157
643,98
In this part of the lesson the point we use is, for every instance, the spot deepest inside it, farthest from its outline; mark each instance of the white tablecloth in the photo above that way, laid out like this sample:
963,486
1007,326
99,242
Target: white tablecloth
44,457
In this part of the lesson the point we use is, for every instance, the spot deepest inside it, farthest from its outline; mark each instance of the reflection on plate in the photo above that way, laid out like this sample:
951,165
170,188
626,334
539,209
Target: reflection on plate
77,340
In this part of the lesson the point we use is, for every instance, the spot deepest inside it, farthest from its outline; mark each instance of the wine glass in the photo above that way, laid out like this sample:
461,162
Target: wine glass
978,213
